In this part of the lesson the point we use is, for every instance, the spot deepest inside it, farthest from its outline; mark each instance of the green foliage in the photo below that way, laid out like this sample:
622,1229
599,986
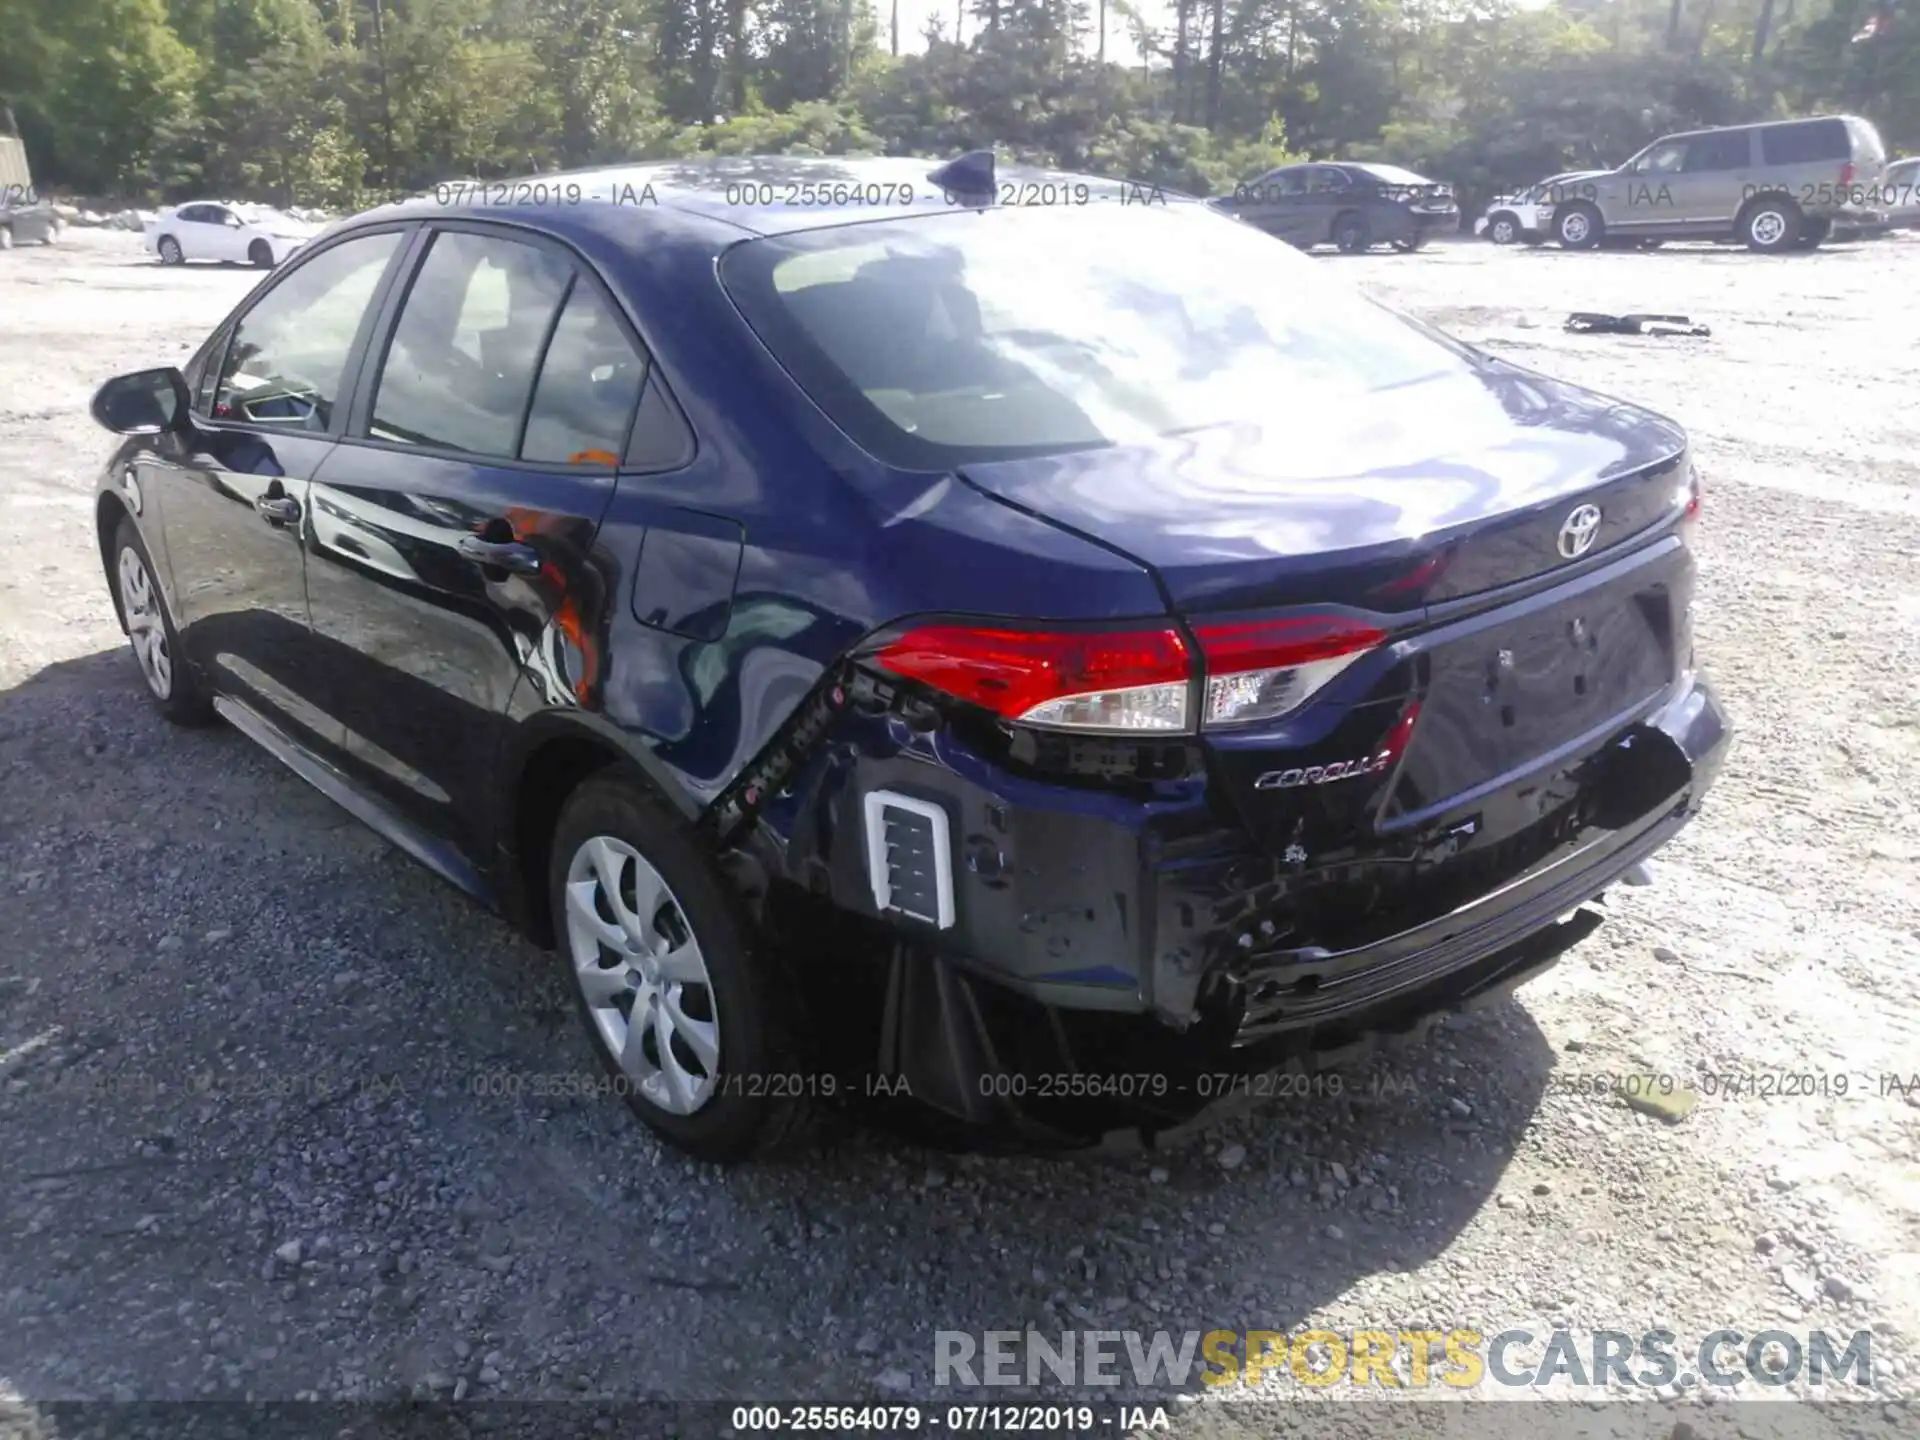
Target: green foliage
343,102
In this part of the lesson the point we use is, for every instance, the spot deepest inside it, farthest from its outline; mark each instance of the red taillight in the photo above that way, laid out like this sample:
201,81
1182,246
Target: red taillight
1130,681
1117,680
1264,669
1846,173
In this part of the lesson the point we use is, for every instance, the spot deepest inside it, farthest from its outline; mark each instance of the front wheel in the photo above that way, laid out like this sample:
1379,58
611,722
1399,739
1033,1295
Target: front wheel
261,254
1504,228
150,630
695,1024
1350,235
1579,227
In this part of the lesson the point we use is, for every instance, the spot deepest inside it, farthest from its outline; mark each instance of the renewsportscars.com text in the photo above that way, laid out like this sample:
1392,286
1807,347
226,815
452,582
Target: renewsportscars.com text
1458,1359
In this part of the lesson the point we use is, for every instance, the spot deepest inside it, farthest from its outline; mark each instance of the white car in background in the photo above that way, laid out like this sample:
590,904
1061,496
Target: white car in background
1527,215
1901,191
221,230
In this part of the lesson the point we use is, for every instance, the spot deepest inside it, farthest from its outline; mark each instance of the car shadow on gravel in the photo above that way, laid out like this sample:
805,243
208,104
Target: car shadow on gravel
285,1115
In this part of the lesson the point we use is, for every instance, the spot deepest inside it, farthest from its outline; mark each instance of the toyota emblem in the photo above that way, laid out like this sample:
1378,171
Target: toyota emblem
1578,530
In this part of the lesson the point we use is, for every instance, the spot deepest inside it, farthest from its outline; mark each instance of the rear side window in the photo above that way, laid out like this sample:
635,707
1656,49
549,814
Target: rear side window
1802,142
460,370
289,353
589,385
1727,150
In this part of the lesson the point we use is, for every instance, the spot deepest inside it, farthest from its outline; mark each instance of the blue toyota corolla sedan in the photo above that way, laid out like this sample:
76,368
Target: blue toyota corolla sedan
1015,640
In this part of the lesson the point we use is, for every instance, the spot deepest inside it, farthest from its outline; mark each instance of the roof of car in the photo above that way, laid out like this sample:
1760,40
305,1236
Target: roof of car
762,195
1762,125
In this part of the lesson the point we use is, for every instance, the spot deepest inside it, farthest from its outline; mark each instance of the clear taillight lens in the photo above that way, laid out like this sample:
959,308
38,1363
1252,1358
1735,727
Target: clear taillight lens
1687,496
1106,682
1265,669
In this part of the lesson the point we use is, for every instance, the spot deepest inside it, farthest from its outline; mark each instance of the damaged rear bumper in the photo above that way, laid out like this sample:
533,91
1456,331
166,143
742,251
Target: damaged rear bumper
1134,932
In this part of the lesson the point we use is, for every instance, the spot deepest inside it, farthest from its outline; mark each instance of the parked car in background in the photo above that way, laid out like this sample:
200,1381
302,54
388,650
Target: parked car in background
1350,206
1772,187
1900,193
1526,215
223,231
960,648
26,217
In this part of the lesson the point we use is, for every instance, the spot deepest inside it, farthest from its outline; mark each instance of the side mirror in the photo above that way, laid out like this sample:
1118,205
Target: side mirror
147,402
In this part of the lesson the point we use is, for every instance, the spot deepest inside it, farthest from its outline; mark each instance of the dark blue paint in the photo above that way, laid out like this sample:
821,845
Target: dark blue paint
685,608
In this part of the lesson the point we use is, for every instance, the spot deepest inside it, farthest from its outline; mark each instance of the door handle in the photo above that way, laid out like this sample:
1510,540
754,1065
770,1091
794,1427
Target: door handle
277,509
500,554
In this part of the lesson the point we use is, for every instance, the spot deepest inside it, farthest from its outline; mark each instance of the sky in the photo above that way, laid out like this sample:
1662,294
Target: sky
914,15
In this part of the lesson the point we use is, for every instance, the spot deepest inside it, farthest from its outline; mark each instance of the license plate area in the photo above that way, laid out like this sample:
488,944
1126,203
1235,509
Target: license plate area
1505,695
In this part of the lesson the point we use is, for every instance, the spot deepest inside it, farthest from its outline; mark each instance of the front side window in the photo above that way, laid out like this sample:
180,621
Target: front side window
1280,184
287,363
459,372
940,340
1667,158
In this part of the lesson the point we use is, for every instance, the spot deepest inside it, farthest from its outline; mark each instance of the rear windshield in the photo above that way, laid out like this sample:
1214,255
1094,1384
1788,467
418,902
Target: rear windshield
1866,140
1803,142
947,339
1393,175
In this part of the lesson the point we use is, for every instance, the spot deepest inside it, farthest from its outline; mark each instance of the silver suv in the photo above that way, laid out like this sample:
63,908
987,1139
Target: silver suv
1777,186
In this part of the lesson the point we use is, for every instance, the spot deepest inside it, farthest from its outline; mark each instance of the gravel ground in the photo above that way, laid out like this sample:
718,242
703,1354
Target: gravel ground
245,1149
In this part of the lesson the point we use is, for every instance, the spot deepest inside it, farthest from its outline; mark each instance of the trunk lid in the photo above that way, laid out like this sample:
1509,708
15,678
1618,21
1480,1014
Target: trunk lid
1443,512
1431,492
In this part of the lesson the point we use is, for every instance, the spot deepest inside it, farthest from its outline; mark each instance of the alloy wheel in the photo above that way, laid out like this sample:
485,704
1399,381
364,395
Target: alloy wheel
146,625
1503,232
643,977
1768,227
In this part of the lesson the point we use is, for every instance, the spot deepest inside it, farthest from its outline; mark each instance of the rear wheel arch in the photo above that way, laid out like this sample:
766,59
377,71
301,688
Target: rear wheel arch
553,757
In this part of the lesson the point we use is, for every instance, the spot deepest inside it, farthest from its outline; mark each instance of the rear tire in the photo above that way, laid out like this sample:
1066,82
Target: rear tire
1579,227
1812,233
1349,234
713,1065
1769,225
175,690
1411,243
170,251
6,237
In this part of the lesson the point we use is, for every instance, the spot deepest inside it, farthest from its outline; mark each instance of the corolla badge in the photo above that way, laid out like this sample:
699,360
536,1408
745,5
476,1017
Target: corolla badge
1578,530
1324,774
